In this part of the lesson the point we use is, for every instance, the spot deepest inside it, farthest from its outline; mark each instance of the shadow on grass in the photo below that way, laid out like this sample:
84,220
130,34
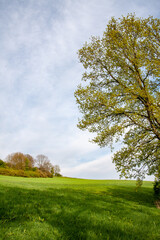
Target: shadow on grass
142,196
72,214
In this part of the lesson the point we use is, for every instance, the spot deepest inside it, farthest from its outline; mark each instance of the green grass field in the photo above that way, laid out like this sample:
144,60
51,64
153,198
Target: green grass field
77,209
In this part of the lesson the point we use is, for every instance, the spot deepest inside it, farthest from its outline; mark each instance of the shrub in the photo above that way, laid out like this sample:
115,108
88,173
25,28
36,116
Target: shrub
7,172
2,163
23,173
58,175
157,188
34,169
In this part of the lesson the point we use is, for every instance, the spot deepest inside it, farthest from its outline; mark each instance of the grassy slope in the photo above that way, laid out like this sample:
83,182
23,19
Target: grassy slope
63,208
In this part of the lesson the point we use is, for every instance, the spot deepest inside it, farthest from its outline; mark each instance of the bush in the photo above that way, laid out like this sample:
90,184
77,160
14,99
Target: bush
7,172
44,174
34,169
58,175
22,173
157,188
2,163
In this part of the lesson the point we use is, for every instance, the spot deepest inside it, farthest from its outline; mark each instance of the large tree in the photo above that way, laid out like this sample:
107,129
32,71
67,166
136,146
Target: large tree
20,161
120,98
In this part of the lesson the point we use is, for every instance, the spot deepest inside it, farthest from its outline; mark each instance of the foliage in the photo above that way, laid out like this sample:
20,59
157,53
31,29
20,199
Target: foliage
57,171
23,173
157,188
58,175
122,97
2,163
43,163
157,184
30,161
20,161
139,183
74,209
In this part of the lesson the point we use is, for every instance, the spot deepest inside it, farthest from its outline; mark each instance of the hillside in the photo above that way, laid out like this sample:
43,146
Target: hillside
72,209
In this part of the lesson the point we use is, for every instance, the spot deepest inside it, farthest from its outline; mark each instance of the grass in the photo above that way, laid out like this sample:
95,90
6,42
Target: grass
76,209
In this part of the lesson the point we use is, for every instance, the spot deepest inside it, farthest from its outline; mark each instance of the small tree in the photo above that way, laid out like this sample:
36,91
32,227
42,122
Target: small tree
122,97
43,163
52,171
2,164
57,171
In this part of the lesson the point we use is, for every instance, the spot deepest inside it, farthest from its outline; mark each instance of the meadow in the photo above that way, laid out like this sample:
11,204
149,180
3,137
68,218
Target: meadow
77,209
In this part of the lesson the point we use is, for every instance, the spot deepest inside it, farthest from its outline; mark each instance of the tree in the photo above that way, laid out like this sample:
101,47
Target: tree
29,161
122,97
57,171
43,163
20,161
17,160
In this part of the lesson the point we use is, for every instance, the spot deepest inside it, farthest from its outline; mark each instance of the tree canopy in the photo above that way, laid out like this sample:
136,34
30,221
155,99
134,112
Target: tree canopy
120,94
19,161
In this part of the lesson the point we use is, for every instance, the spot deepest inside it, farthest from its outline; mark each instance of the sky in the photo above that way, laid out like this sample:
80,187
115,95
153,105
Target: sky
39,72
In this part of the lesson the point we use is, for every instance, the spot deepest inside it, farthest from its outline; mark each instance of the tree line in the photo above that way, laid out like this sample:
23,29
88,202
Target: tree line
20,164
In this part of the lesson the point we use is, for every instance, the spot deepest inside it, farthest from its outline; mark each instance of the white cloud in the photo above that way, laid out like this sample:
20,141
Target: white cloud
101,168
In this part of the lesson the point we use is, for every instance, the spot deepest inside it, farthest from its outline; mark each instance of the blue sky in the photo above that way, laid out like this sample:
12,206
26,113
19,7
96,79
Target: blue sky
39,72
